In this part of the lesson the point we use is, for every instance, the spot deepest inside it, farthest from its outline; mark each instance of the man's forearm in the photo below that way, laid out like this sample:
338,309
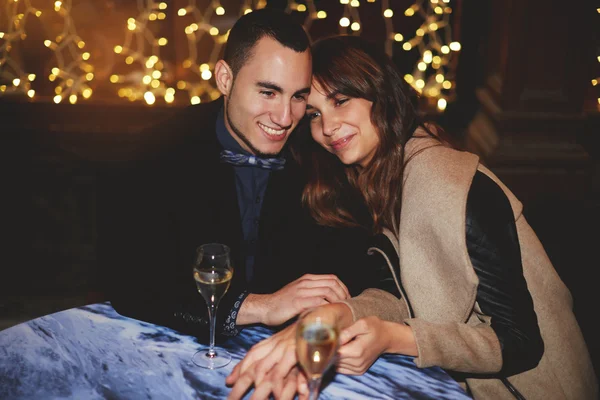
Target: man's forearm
253,309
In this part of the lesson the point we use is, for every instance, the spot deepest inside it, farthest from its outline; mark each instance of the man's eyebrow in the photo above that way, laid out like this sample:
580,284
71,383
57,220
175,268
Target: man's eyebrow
270,85
306,90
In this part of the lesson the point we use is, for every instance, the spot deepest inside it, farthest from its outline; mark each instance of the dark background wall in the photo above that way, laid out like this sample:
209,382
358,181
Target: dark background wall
525,104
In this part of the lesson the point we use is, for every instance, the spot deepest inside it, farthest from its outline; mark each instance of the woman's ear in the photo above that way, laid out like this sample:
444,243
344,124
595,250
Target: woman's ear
223,77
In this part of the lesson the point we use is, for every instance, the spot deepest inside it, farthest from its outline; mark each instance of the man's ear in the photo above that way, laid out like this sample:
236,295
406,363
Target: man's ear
223,77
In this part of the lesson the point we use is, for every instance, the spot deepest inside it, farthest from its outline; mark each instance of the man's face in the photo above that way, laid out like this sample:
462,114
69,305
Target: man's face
268,97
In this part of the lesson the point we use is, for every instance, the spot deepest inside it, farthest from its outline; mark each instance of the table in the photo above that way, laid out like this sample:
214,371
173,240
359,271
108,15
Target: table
92,352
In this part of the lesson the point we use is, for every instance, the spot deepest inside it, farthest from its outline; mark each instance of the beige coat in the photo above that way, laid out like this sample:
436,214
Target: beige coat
441,285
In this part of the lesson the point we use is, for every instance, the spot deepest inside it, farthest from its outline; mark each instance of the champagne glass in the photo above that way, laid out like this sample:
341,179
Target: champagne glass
316,345
212,272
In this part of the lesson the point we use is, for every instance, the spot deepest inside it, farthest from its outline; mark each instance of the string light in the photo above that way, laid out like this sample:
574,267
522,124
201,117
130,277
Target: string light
433,72
146,79
13,78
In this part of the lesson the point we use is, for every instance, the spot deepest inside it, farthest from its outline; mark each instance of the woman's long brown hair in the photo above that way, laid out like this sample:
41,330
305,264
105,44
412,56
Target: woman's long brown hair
353,67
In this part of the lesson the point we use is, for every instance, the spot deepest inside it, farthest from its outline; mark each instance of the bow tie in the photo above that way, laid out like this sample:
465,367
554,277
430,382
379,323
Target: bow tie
253,161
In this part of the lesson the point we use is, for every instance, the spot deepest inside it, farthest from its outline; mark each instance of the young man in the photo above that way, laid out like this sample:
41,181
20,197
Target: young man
222,175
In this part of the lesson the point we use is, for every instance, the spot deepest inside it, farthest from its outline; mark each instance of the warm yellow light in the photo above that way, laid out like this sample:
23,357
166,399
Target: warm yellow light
181,85
594,82
146,79
31,93
388,13
85,56
81,44
206,75
16,82
131,27
181,12
162,41
409,78
409,12
455,46
2,35
321,15
169,98
156,74
438,10
155,84
118,49
354,3
149,97
38,14
129,60
437,59
162,15
220,10
344,1
447,84
57,5
57,98
407,46
249,10
2,88
445,49
47,43
195,100
420,32
189,30
114,78
152,17
51,77
355,26
214,31
420,83
69,82
31,77
433,26
58,90
170,91
187,63
73,99
439,78
55,71
427,56
441,104
398,37
422,66
89,76
448,10
121,92
344,21
433,92
162,6
434,1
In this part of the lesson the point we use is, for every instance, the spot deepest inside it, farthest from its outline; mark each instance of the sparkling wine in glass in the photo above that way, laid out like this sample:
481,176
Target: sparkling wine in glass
316,346
212,272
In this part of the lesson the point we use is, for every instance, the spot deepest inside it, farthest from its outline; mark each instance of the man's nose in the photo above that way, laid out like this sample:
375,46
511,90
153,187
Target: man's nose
282,115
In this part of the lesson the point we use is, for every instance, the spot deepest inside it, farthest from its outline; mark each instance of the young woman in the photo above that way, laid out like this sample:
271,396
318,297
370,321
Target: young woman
474,293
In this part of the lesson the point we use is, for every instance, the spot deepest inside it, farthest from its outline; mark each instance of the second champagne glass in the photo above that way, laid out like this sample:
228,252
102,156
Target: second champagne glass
212,273
316,345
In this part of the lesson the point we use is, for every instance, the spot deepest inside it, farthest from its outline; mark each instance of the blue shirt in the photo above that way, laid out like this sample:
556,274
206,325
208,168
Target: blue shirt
251,185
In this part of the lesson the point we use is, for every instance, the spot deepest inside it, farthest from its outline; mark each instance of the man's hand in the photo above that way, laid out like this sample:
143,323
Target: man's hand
302,294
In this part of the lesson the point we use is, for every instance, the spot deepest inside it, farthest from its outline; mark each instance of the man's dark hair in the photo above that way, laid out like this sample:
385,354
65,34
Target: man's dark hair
252,27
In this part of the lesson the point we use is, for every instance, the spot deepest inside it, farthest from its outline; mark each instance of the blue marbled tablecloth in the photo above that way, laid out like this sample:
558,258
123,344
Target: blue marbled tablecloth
92,352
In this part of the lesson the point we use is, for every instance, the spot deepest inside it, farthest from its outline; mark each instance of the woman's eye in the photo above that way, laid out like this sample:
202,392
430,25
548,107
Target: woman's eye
312,115
339,102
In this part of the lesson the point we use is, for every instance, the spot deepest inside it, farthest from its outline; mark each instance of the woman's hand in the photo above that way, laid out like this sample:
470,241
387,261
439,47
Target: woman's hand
365,340
271,360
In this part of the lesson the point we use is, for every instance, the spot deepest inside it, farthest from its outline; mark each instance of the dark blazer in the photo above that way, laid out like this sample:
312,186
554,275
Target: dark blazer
154,213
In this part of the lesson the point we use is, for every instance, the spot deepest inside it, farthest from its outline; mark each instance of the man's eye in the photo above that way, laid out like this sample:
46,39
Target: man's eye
267,93
300,97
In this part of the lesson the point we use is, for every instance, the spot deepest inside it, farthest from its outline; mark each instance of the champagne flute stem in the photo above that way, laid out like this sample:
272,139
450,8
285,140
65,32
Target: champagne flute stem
313,388
212,315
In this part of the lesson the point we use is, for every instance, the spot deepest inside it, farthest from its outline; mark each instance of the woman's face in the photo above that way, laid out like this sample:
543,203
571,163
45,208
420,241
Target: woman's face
342,125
